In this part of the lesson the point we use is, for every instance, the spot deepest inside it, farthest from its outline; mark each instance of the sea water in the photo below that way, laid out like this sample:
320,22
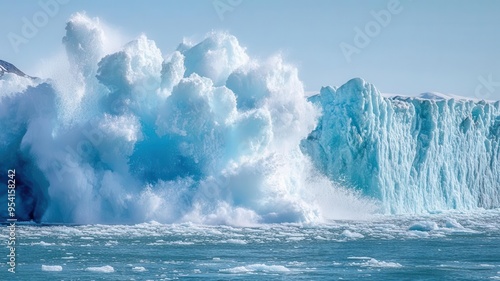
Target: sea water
447,246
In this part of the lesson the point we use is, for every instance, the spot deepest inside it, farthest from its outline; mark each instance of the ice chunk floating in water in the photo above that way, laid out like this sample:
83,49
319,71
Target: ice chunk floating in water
101,269
52,268
209,135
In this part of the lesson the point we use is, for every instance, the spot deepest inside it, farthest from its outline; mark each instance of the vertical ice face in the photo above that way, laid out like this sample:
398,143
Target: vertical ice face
124,135
414,154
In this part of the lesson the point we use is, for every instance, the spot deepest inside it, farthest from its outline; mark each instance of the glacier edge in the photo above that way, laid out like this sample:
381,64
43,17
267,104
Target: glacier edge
413,154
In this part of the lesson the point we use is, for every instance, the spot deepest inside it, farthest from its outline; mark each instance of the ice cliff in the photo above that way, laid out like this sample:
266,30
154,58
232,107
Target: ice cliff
414,154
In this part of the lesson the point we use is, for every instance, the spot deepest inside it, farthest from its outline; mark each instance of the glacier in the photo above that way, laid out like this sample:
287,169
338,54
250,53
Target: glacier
415,154
208,134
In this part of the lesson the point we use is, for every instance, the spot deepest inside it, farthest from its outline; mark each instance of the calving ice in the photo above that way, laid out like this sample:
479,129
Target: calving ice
207,134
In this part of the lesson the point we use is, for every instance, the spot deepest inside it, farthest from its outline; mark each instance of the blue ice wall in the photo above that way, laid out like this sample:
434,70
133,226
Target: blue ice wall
414,154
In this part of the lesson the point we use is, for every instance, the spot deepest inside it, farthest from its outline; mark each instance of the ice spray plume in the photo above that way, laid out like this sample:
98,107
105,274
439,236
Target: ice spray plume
207,135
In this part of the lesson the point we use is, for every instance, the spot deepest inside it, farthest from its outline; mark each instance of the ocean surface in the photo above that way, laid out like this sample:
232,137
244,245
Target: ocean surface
445,246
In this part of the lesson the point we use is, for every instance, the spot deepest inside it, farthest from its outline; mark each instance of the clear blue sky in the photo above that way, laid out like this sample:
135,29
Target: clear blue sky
443,46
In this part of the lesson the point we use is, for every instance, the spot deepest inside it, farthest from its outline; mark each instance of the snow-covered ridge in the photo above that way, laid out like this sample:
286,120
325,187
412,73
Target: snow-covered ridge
6,67
13,80
419,154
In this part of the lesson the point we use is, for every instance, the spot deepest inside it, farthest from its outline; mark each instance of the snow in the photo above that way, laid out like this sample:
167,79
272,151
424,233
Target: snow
6,67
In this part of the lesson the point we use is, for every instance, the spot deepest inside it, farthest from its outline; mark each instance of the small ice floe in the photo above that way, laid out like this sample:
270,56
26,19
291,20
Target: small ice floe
51,268
138,269
256,268
371,262
181,243
352,235
236,241
87,238
452,223
423,226
101,269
